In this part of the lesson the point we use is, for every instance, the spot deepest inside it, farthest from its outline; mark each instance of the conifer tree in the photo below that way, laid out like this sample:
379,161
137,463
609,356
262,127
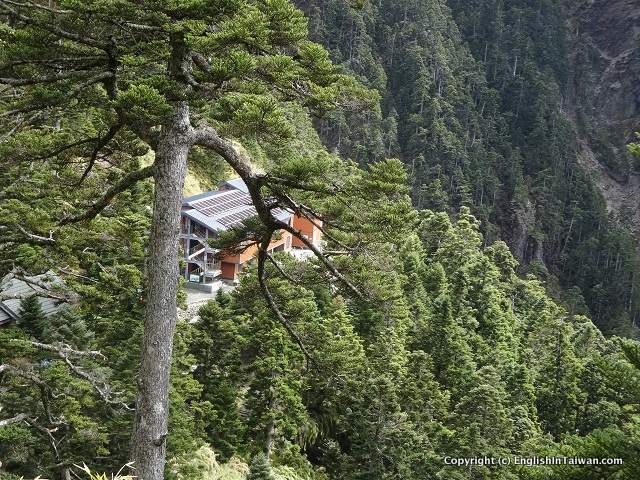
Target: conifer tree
31,316
259,469
559,395
483,423
216,345
446,342
67,327
113,78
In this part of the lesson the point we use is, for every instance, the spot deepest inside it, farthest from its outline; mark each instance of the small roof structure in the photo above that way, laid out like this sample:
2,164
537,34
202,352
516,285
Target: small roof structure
222,209
10,309
237,184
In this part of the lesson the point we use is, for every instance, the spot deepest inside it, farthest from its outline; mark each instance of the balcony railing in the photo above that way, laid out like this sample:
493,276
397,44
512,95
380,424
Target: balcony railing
198,248
213,267
198,231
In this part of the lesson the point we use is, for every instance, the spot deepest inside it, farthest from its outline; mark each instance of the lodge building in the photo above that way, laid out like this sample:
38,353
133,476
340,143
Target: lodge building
205,215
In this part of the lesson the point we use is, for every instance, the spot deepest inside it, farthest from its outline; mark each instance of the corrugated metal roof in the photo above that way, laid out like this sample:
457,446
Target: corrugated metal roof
203,220
238,184
194,198
5,315
14,286
220,210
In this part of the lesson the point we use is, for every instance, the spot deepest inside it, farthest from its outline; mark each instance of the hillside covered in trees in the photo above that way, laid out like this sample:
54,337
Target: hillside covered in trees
472,311
491,105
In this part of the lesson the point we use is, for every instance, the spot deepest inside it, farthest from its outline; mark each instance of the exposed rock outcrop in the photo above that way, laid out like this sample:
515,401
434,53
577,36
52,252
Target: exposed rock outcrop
622,197
604,97
606,60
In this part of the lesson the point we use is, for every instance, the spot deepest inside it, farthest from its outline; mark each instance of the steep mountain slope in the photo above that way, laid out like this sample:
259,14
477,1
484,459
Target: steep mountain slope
479,99
605,97
605,45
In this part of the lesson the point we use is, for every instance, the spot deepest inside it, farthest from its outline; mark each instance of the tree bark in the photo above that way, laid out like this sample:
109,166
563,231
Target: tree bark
152,407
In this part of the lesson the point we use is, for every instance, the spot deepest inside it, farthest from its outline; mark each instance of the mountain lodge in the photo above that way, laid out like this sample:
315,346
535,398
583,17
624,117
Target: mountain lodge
207,214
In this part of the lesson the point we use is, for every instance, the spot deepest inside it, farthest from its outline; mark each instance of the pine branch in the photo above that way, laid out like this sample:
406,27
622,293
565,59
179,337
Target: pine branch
75,91
19,123
125,183
65,351
21,82
101,143
313,217
54,61
66,147
280,269
271,302
51,28
102,391
318,253
207,136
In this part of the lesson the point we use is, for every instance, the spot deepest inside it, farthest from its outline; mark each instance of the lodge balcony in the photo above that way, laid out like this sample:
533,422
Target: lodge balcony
189,229
206,264
202,272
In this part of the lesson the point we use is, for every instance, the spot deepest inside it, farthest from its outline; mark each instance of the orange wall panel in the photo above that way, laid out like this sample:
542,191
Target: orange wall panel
229,270
307,228
251,252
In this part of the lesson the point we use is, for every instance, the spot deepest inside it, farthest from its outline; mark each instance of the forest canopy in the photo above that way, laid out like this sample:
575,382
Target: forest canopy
472,298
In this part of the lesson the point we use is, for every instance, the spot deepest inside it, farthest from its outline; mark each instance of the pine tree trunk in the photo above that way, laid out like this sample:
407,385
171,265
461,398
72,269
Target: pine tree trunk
152,407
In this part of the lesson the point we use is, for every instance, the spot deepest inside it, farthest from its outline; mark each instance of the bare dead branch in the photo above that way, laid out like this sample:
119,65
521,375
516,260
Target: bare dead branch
10,421
74,274
37,238
142,27
19,372
63,350
37,6
102,391
35,293
48,432
43,290
20,121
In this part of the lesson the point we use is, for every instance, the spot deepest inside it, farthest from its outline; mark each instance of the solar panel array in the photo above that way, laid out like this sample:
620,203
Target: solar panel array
237,217
218,207
242,215
214,206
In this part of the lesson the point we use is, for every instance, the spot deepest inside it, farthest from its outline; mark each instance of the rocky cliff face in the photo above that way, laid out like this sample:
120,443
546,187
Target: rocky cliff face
604,97
606,41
